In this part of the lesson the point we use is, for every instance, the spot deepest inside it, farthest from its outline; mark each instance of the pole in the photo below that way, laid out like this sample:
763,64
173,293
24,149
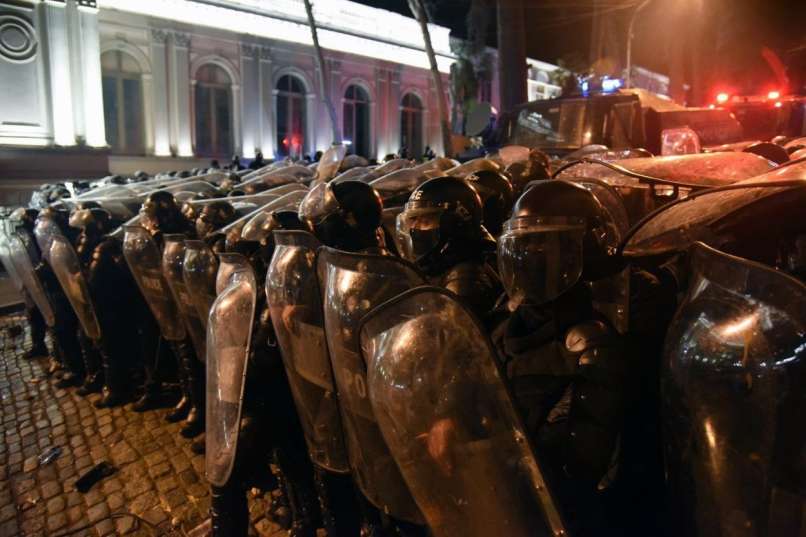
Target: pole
628,78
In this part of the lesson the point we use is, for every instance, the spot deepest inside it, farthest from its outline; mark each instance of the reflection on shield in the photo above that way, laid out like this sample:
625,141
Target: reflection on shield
228,338
65,264
173,258
145,261
352,284
295,304
450,422
22,252
733,400
199,270
6,259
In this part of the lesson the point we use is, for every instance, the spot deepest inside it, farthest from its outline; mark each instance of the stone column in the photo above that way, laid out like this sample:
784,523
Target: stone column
179,83
90,82
159,95
310,133
266,102
394,111
250,99
274,93
61,91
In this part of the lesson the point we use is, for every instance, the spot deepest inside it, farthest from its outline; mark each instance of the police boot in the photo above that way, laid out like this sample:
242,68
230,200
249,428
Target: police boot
68,353
93,381
112,393
229,512
194,424
295,478
180,411
37,324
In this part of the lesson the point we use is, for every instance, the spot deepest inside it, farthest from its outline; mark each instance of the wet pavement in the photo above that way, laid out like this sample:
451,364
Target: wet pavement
158,477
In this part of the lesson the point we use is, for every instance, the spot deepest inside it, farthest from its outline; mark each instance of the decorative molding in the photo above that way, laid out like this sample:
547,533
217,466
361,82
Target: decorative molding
181,40
249,50
159,35
88,3
265,53
18,43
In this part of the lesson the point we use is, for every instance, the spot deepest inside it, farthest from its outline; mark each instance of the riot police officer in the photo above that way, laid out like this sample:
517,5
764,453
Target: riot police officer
495,191
269,422
441,231
564,361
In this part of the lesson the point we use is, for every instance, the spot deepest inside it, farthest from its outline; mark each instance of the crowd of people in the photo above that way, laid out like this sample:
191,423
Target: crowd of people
421,349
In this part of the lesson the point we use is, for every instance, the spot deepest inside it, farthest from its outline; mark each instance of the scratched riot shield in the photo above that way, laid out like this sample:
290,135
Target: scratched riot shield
8,264
22,253
145,262
199,271
67,267
229,331
352,284
733,386
295,304
173,259
450,422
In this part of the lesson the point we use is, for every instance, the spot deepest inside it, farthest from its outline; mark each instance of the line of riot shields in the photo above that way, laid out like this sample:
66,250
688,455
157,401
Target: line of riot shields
614,344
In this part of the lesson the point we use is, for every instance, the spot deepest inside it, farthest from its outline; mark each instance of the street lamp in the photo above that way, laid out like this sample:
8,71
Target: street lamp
628,78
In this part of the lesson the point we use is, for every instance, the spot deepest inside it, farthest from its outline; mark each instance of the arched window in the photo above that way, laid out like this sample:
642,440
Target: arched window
213,108
290,116
356,120
123,102
411,125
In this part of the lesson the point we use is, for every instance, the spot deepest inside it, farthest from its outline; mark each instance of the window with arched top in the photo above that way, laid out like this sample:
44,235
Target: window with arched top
356,120
290,115
411,125
213,111
122,85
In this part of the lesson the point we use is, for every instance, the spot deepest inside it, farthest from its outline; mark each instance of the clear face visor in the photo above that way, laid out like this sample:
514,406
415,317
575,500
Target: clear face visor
539,258
317,204
417,232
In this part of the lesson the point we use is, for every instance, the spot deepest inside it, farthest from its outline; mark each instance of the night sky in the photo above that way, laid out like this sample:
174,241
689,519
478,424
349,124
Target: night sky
735,31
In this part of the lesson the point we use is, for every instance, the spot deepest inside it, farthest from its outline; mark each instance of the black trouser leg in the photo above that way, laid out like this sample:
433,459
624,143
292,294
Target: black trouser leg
67,347
93,380
38,328
229,512
114,371
193,371
341,514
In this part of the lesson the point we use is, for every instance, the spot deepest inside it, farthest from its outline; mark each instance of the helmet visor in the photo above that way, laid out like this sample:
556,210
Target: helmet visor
539,258
418,232
317,204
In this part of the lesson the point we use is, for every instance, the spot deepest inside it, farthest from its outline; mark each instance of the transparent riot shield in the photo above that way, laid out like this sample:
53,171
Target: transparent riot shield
733,400
199,271
44,231
67,267
295,304
8,264
450,422
22,252
173,259
229,331
352,284
329,164
145,261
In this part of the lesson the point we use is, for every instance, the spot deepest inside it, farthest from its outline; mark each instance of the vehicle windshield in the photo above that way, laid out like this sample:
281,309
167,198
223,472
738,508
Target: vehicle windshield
680,224
557,124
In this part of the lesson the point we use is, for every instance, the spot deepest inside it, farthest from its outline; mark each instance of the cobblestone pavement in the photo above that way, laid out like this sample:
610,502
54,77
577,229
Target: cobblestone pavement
158,478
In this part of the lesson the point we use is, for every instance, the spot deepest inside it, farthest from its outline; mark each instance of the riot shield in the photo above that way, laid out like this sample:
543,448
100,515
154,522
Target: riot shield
67,267
44,232
352,284
21,253
329,164
6,259
173,258
229,333
199,272
450,422
145,262
733,400
295,304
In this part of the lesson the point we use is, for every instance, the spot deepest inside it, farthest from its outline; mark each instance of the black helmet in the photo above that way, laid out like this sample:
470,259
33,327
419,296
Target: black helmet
213,217
495,191
772,152
57,192
116,180
557,234
139,175
523,172
441,225
24,217
184,174
94,224
160,213
345,215
258,247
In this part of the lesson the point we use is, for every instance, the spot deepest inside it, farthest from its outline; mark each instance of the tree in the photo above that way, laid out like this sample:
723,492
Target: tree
418,10
324,79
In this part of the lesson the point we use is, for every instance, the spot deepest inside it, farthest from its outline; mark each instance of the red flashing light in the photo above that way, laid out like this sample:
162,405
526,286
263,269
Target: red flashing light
722,98
778,104
774,94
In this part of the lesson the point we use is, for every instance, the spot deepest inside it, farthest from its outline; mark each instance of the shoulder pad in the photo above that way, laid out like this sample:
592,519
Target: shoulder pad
583,336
